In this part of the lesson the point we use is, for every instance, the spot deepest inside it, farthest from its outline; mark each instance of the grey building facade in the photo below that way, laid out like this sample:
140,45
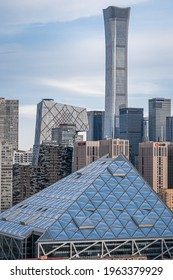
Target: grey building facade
159,109
116,36
169,129
51,115
131,128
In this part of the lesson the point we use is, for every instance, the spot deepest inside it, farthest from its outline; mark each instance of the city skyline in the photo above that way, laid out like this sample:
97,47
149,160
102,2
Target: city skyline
57,51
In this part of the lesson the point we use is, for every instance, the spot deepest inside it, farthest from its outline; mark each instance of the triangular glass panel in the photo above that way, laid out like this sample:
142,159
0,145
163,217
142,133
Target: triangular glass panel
78,236
99,183
62,236
93,235
108,235
138,233
130,231
105,177
145,230
102,225
119,163
124,202
96,203
124,234
125,183
81,204
96,216
111,203
117,224
100,232
112,183
118,179
131,178
57,225
69,233
125,197
89,194
104,205
103,211
74,206
71,227
66,216
132,191
86,232
64,223
160,224
97,197
167,233
110,221
73,212
116,231
110,214
90,207
104,194
152,233
105,189
83,198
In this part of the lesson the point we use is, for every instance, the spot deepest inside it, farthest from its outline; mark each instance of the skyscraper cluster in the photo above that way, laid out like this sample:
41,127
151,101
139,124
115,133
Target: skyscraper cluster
111,205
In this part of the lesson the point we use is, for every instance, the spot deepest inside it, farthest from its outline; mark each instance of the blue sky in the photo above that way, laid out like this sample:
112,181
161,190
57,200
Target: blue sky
56,49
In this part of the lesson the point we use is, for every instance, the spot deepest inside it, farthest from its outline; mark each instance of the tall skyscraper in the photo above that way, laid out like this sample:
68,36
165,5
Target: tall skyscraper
8,143
153,164
116,36
169,129
131,122
9,110
96,123
159,109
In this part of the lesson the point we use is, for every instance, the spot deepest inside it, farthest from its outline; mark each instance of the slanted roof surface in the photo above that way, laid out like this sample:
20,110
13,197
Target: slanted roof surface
106,200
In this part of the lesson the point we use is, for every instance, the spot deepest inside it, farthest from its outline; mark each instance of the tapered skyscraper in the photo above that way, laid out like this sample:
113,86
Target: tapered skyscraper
116,36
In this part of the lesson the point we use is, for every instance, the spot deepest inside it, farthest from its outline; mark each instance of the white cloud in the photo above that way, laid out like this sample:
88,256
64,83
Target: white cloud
88,86
27,111
20,11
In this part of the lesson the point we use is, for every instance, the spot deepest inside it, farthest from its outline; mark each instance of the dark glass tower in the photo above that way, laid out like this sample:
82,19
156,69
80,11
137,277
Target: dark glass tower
159,109
131,128
116,36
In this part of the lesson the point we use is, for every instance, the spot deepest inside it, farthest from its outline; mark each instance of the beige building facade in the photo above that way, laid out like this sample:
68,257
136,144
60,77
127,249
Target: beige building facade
153,164
86,152
167,196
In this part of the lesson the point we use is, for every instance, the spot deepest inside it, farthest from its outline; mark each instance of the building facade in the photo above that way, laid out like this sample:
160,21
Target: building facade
167,196
51,115
131,128
9,118
159,110
6,176
153,164
86,152
96,125
54,163
169,129
116,22
22,157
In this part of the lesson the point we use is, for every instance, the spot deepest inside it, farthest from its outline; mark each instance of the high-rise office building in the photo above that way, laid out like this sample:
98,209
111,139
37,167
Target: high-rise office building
145,136
153,164
170,166
86,152
116,36
9,111
6,175
8,143
169,129
159,109
96,125
50,115
131,128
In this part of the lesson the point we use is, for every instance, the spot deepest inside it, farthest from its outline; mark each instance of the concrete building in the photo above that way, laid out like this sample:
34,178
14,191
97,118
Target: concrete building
153,164
86,152
96,125
9,118
159,110
22,157
54,163
116,22
6,176
51,115
64,134
131,128
105,210
167,196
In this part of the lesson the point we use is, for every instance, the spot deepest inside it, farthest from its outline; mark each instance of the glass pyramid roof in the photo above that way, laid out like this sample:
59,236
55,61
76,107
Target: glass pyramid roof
106,200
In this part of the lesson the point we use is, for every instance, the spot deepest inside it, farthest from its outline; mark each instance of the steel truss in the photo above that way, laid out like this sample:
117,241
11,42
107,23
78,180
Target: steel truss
152,249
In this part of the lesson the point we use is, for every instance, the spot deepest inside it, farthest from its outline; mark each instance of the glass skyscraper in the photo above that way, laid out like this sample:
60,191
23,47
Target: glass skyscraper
159,109
116,36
